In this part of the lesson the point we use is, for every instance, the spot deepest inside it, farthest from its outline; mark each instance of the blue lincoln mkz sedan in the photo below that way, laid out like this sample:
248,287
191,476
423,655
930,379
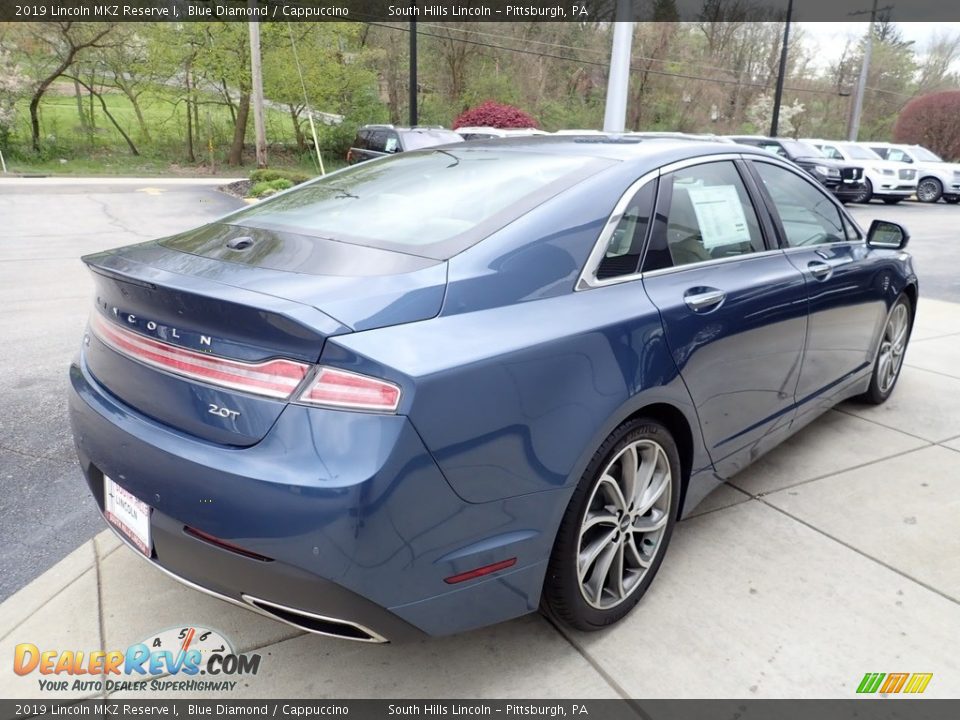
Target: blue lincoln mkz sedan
443,389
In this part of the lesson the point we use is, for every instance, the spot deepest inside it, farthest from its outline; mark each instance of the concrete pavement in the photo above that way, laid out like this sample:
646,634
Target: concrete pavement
834,556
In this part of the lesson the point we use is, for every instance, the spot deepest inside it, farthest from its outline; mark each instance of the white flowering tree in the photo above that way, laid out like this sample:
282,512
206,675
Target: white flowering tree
13,83
760,113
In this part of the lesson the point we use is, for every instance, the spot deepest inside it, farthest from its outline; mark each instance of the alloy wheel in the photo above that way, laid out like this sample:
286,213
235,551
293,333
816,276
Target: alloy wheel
892,348
624,524
929,190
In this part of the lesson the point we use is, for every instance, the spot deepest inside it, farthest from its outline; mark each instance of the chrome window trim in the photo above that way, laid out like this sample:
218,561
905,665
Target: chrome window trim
808,248
745,257
588,276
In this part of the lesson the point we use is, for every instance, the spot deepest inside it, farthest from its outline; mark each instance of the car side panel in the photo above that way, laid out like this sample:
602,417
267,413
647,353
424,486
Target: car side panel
535,387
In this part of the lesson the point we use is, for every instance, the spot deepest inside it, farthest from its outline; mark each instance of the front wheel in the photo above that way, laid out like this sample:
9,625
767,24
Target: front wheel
953,200
893,346
866,192
929,190
615,531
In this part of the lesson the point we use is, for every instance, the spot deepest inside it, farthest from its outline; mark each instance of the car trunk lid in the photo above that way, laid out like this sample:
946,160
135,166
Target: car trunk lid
214,347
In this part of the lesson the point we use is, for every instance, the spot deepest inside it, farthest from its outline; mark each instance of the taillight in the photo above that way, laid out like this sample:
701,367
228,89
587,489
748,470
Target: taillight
272,378
349,156
342,389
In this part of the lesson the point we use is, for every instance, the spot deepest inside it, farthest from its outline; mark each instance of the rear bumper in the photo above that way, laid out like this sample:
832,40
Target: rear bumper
357,523
308,602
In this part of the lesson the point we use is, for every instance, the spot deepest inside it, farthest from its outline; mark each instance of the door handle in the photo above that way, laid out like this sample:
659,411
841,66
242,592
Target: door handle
703,300
821,271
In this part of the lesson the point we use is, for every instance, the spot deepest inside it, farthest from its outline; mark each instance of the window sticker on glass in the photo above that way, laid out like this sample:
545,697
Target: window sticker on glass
720,215
391,144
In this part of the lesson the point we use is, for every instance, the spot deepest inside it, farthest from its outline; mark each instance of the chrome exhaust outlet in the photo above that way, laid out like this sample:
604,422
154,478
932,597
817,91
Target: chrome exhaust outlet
313,623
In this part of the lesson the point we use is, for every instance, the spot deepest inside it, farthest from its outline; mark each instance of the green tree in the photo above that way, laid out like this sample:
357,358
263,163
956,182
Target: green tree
57,46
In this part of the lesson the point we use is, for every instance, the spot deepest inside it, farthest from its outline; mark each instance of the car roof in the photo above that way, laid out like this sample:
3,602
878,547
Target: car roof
404,128
659,150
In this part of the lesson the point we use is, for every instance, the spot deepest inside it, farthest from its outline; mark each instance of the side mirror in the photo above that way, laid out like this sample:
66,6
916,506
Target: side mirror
887,235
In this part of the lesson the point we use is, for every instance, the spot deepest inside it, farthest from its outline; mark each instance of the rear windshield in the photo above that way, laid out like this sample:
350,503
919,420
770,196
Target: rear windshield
801,149
432,203
925,155
857,152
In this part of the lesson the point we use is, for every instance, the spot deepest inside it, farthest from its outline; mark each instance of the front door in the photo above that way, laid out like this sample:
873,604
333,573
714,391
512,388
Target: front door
846,305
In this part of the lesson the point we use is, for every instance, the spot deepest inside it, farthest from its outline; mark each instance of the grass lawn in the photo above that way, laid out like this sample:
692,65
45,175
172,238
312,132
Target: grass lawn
71,149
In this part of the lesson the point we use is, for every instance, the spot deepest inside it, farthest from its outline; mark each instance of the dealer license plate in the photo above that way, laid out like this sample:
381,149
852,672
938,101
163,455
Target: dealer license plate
128,514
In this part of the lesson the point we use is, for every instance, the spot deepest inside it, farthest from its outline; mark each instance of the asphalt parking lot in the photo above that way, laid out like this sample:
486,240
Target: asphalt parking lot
934,244
45,296
833,556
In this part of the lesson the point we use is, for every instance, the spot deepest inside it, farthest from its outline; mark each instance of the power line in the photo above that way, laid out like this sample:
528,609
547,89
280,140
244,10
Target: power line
575,48
598,63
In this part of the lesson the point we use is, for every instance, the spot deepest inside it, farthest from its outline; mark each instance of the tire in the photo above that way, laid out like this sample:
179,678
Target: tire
952,200
889,362
631,550
866,195
929,190
892,200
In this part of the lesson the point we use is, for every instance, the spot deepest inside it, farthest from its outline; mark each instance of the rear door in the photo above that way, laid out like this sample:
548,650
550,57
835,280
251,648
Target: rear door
733,308
846,306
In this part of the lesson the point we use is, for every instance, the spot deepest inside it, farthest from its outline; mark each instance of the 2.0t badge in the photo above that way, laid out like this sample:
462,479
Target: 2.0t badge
223,412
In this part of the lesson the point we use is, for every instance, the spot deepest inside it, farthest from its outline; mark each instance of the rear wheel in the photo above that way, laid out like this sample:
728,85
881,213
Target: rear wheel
953,200
893,346
866,193
929,190
615,532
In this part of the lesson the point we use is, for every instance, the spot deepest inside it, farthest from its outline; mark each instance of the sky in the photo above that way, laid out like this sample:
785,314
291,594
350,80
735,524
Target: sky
828,39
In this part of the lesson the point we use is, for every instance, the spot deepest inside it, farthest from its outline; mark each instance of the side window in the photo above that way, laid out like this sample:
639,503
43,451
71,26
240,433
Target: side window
363,139
626,243
850,230
774,149
895,155
710,216
391,143
808,215
831,152
377,141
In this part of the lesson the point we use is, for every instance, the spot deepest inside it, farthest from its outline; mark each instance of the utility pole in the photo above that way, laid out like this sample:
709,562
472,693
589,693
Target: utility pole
778,95
854,129
413,70
256,74
615,114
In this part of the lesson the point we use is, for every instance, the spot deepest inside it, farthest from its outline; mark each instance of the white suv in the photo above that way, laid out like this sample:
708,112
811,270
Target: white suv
889,180
935,178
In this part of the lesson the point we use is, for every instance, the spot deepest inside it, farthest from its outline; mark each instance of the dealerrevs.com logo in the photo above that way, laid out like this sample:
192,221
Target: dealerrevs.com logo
176,659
